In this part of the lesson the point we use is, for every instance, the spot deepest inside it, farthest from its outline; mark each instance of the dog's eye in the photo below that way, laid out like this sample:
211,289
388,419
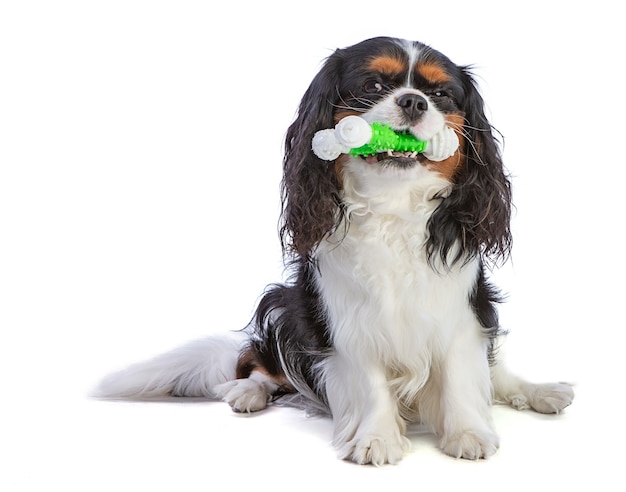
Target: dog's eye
440,93
372,87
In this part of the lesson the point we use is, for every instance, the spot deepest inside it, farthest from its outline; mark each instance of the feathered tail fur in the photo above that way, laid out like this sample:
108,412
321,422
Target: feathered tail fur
195,369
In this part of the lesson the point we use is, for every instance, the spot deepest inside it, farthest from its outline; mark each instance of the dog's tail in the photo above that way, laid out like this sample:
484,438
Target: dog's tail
192,370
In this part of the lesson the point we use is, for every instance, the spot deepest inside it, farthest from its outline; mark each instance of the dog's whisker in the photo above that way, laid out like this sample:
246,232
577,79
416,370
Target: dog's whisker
349,108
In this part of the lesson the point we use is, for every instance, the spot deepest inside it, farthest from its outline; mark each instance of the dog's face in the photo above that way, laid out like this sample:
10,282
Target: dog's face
407,86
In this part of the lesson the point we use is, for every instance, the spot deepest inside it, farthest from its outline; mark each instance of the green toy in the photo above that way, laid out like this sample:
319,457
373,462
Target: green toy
353,135
384,138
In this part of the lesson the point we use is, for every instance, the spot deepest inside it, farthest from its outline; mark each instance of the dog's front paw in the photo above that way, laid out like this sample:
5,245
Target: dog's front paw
243,395
471,445
376,450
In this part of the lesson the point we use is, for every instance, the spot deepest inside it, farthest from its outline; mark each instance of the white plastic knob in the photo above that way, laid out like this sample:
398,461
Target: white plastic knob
353,132
325,145
443,145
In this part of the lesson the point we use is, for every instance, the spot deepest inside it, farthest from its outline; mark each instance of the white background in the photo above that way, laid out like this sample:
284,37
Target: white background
140,158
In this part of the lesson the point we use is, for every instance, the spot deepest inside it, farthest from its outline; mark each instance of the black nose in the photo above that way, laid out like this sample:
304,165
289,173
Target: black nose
413,105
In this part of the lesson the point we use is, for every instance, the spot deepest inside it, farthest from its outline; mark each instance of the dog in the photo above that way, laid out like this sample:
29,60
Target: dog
388,316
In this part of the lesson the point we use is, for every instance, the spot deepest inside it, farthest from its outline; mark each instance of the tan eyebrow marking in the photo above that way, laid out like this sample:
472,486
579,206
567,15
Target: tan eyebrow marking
433,73
387,65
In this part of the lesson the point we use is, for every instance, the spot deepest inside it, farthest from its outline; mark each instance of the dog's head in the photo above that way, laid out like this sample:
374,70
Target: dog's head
408,86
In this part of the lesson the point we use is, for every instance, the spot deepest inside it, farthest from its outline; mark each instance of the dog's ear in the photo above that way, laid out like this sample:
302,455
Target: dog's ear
478,211
310,186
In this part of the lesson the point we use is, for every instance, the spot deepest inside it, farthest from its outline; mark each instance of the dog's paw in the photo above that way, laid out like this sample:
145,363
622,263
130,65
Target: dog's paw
471,445
376,450
243,395
550,397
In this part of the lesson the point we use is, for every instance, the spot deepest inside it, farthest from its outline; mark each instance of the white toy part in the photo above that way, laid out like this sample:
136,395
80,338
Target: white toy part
353,132
350,133
325,145
442,146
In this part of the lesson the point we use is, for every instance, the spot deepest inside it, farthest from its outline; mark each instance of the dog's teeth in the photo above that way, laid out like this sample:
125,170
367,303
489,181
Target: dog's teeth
390,153
413,155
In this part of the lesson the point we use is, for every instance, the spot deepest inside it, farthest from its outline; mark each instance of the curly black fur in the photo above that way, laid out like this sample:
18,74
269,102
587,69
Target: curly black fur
477,213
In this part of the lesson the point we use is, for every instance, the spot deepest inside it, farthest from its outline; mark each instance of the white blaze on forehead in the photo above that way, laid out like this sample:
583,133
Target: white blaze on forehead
413,52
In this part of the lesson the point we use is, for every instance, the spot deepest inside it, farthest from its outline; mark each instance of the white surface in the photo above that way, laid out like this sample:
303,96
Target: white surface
140,156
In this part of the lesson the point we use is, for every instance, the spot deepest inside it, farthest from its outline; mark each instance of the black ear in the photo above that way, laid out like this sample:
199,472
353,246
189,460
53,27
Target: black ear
476,216
310,186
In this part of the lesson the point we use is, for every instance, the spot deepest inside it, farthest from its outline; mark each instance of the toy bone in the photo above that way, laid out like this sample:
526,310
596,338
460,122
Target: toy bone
355,136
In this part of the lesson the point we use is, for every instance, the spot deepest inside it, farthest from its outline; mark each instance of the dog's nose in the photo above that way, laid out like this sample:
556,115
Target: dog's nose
413,105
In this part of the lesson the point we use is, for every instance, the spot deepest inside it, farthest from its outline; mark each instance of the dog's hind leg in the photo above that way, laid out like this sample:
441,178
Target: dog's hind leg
254,385
520,394
249,394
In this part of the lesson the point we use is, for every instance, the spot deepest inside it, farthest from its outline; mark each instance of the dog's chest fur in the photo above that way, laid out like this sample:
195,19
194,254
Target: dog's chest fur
385,303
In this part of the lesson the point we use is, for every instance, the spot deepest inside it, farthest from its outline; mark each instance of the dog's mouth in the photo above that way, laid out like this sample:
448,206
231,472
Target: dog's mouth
393,158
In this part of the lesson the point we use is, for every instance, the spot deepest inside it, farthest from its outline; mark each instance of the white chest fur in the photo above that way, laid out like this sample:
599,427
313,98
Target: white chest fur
385,303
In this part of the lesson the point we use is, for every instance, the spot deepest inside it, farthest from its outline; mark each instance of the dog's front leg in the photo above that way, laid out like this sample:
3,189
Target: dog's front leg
465,422
367,424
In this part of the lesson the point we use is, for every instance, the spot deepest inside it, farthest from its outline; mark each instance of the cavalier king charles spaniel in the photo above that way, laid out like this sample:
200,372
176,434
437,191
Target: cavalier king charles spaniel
388,317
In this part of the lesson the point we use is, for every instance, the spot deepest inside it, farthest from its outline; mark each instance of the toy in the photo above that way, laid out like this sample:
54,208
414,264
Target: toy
355,136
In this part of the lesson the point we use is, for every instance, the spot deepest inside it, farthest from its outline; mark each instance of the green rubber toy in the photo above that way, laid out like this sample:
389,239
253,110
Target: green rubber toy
355,136
384,139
